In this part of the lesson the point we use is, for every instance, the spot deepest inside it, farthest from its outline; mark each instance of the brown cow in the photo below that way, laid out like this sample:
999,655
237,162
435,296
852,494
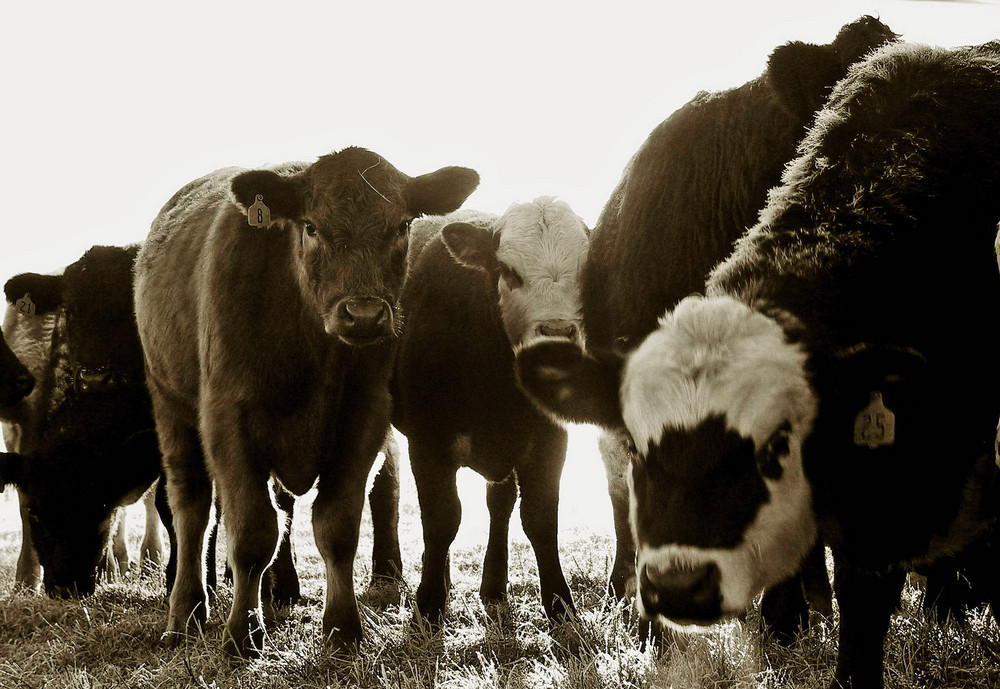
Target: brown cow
268,355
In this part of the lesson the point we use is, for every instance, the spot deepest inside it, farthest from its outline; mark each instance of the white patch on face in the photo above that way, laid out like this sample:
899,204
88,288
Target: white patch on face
545,243
718,357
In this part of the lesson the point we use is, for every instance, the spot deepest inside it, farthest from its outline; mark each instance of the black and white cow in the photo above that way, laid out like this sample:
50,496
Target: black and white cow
828,383
480,287
691,189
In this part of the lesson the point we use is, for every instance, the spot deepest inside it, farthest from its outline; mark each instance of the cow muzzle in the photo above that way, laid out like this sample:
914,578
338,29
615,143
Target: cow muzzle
19,388
558,328
684,595
360,320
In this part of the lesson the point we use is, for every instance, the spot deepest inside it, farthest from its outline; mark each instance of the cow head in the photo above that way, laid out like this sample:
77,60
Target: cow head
16,381
534,251
70,496
348,216
717,403
101,334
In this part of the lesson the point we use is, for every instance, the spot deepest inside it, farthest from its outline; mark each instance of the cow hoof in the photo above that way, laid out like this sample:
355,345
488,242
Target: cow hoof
343,645
381,593
249,645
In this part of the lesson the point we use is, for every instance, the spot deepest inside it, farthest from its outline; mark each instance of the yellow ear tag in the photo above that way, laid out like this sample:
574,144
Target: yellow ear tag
25,305
258,215
875,426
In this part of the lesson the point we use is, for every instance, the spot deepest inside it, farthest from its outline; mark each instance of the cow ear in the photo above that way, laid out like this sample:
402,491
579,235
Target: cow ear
440,192
572,385
278,192
45,290
802,75
471,245
11,465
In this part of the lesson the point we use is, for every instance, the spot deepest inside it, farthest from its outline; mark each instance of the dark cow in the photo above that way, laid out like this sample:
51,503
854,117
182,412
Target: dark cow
481,287
85,443
268,353
693,187
814,389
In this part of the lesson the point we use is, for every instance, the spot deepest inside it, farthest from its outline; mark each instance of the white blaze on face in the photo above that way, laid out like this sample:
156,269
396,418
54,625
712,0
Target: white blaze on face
543,245
717,357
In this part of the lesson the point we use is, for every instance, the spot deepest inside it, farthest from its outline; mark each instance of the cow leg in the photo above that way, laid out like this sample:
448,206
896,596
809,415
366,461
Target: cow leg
151,550
538,479
866,603
336,518
784,608
117,565
387,562
434,473
500,499
29,571
252,534
189,496
616,460
281,581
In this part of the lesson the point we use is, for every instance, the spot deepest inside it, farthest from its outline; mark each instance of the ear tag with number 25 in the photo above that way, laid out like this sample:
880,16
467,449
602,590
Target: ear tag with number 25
259,215
875,426
25,305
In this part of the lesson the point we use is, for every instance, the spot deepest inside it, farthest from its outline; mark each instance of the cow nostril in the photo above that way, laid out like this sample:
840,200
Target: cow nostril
25,384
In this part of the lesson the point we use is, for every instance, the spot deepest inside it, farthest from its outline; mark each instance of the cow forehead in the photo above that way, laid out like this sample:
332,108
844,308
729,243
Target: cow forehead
544,235
360,182
715,357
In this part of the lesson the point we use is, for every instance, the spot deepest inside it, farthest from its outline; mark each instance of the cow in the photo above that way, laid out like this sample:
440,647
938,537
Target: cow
691,189
267,305
480,287
85,443
815,388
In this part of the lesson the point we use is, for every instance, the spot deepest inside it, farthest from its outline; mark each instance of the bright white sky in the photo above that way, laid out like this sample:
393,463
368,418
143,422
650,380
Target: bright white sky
109,107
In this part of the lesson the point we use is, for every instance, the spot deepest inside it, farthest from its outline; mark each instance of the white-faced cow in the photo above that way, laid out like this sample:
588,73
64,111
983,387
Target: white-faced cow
693,187
834,380
268,353
480,288
85,442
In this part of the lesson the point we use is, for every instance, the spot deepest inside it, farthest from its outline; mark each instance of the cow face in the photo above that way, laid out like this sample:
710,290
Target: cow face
101,335
16,382
534,251
348,217
718,406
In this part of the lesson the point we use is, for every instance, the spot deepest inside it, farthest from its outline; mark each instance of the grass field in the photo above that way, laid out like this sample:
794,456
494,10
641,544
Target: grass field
112,638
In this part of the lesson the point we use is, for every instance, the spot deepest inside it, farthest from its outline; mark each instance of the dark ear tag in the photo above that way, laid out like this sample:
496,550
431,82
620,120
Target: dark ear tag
25,305
875,426
996,447
259,215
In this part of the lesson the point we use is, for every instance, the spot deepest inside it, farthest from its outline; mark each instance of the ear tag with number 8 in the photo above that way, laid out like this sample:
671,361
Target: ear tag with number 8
25,305
875,426
259,215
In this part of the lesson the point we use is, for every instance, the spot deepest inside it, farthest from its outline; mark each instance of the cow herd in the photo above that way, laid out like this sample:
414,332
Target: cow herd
775,322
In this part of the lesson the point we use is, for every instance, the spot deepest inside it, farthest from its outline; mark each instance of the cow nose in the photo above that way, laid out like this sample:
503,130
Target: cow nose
558,328
362,318
683,594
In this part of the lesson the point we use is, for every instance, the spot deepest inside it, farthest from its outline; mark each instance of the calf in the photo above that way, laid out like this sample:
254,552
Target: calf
268,349
693,187
480,288
812,391
85,443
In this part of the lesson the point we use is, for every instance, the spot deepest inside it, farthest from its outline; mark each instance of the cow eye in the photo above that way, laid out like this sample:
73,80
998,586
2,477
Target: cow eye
510,276
309,228
403,228
774,450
